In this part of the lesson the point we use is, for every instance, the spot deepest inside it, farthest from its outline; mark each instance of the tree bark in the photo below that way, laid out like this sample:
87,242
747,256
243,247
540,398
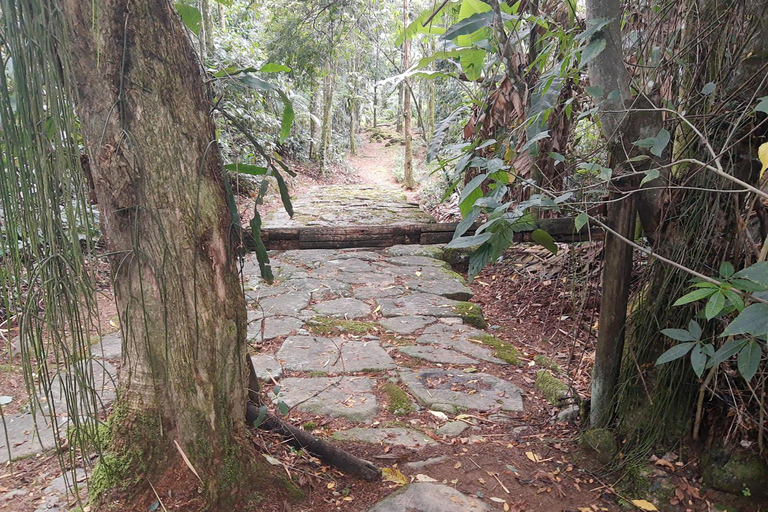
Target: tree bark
325,139
312,120
408,181
158,179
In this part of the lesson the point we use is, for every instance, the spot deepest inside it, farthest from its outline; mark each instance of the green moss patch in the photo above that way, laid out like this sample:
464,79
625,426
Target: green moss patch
504,351
550,386
323,325
600,444
399,403
547,363
471,314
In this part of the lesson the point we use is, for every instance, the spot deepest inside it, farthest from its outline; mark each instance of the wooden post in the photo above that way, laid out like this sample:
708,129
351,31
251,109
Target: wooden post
617,272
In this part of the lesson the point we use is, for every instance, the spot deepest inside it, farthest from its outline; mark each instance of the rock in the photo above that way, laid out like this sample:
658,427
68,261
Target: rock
600,444
393,436
452,429
377,292
419,304
312,258
553,389
446,287
570,413
417,261
350,265
59,485
15,493
110,346
332,355
267,367
339,397
288,304
436,355
736,471
343,308
457,337
426,497
406,324
428,251
360,255
433,387
274,327
379,279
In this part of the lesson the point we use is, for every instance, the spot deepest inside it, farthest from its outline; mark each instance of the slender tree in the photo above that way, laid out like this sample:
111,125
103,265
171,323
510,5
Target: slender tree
408,181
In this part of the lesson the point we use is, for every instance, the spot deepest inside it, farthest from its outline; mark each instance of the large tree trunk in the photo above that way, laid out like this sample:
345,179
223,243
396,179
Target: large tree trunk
408,181
159,184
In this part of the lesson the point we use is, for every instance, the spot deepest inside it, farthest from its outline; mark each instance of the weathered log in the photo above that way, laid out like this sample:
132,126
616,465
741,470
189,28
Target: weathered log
561,230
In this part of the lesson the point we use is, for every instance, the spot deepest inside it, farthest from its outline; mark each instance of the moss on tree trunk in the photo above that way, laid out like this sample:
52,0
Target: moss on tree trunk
158,179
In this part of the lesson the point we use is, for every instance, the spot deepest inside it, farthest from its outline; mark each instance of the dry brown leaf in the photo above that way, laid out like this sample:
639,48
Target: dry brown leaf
644,505
393,475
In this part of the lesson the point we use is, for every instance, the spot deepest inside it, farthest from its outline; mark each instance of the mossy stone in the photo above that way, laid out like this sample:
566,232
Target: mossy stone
736,472
600,443
553,389
399,403
504,351
325,325
471,314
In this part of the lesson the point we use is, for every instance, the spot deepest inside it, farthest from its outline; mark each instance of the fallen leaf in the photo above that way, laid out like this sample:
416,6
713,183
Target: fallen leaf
439,415
533,457
393,475
497,500
333,484
644,505
425,478
457,466
665,463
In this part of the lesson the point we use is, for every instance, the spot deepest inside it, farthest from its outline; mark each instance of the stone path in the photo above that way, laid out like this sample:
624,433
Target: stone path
337,327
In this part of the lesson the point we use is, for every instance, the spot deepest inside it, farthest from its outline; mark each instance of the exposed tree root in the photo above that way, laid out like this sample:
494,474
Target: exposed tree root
299,438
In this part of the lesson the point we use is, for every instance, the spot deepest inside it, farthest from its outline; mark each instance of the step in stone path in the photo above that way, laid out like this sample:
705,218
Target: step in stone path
312,333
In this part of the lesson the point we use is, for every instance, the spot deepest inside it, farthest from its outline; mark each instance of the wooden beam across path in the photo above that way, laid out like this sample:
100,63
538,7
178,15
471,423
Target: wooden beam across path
561,230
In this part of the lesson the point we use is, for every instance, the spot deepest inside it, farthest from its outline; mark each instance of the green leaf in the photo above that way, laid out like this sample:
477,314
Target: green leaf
695,329
708,88
594,91
592,50
734,298
757,273
698,360
678,334
753,320
479,259
749,360
726,269
650,176
726,351
276,390
762,105
283,407
714,306
701,293
662,140
288,116
580,221
190,16
675,352
285,196
272,67
469,241
469,25
471,61
471,193
261,249
467,222
544,239
253,170
261,417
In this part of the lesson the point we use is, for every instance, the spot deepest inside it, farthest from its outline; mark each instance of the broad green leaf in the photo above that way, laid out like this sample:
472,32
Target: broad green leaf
190,16
261,417
714,306
557,157
708,88
580,221
757,273
533,140
544,239
728,349
675,352
469,241
749,359
592,50
593,26
479,259
701,293
762,105
747,285
726,269
471,193
467,222
283,407
735,300
698,360
253,170
662,140
276,390
650,176
272,67
471,62
753,320
469,25
678,334
695,329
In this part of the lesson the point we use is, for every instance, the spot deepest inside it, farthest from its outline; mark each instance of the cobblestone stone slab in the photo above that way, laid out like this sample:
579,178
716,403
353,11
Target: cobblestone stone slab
463,391
333,355
338,397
